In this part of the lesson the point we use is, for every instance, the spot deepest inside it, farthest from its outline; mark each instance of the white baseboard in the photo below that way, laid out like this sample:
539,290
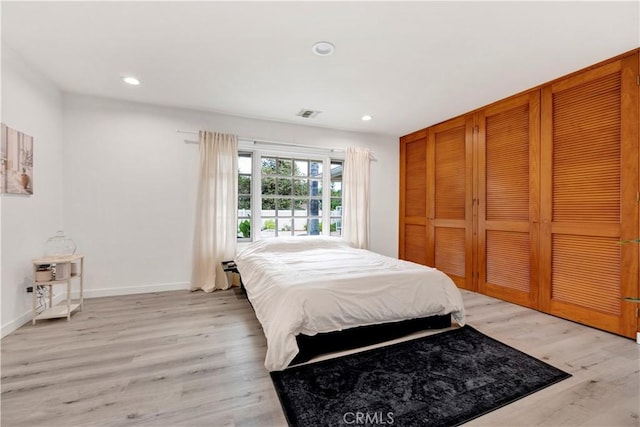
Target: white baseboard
144,289
15,324
26,317
96,293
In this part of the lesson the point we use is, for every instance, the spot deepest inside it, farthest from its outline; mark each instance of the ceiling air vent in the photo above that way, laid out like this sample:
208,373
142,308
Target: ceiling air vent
308,114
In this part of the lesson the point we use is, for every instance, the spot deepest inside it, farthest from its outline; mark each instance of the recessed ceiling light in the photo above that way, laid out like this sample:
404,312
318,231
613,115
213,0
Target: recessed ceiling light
323,48
367,117
131,80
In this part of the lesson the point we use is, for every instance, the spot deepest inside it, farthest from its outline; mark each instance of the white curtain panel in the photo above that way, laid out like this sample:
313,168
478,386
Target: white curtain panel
355,211
215,234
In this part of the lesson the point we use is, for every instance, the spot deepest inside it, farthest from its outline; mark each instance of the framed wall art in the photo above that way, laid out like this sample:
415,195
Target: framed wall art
17,162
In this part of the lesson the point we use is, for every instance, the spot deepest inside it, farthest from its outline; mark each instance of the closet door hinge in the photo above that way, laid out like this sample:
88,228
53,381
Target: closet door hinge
638,79
638,197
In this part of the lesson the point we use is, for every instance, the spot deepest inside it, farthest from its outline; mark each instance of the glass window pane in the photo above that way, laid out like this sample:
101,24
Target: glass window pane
301,187
244,228
300,226
336,207
336,226
284,167
284,186
285,227
315,207
315,169
315,227
244,206
268,165
336,170
284,206
244,184
268,207
268,186
244,163
268,228
315,187
300,207
336,188
301,168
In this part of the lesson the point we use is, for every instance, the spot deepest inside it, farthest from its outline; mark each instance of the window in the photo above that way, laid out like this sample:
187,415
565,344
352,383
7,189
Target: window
283,195
291,197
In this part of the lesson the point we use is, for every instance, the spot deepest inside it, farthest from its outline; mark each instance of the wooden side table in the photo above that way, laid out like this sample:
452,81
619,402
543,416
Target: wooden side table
66,269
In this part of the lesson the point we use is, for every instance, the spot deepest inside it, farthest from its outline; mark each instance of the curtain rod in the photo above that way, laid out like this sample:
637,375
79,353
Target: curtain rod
263,142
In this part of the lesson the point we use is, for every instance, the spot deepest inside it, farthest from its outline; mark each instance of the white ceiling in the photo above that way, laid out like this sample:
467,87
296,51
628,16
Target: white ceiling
408,64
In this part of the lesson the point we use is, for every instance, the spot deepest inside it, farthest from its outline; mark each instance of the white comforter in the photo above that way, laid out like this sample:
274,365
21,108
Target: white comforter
313,284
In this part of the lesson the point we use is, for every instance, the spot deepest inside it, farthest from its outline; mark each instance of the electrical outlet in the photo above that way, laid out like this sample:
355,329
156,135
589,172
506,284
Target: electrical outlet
30,289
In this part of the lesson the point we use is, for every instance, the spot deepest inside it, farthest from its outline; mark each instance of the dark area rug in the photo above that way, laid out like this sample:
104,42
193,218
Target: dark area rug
444,379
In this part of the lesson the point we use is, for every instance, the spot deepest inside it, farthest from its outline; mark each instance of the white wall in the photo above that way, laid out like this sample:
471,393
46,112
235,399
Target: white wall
130,187
30,104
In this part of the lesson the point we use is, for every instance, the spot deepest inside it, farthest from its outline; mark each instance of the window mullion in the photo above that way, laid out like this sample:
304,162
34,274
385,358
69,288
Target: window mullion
256,195
326,197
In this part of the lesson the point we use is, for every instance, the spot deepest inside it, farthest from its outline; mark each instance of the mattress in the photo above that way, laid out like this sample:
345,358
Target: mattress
315,284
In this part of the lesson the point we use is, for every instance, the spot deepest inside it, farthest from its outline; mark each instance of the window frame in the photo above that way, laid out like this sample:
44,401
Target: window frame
244,153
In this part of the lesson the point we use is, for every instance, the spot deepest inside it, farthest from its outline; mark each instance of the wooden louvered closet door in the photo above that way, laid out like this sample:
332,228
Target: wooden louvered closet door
589,153
413,197
449,167
507,199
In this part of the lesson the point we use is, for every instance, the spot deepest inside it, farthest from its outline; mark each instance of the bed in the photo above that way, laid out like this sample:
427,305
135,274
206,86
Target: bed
313,285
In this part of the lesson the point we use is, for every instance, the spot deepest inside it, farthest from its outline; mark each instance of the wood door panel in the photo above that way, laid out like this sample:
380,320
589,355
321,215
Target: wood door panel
416,178
585,271
508,256
586,178
450,161
450,182
418,205
589,131
507,165
450,252
415,243
413,197
508,147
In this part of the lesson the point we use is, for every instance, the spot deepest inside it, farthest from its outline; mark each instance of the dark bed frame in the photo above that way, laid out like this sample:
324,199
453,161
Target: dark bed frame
311,346
348,339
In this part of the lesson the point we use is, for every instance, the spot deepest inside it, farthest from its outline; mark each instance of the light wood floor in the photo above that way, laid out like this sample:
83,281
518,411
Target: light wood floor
194,359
